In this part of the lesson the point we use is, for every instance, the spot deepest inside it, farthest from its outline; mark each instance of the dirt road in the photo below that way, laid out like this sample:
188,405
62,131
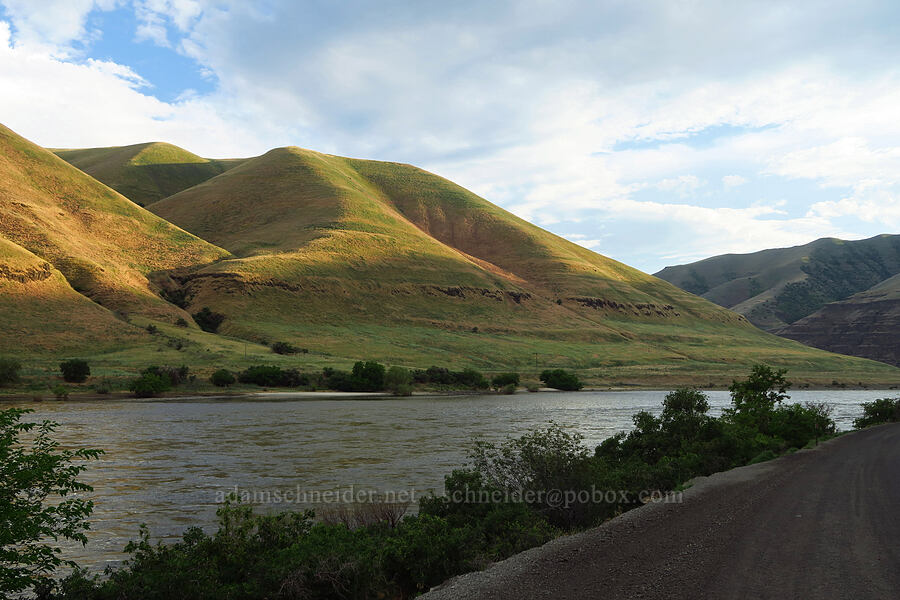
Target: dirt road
823,523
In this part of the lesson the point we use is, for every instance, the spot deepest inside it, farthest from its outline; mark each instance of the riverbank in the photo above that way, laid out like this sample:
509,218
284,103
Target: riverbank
816,523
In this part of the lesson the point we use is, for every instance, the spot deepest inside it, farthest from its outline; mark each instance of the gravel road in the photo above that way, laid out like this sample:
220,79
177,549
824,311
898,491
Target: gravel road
821,523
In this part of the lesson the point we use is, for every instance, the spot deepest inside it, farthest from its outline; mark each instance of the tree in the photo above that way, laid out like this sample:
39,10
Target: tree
222,378
9,370
38,501
149,385
208,320
502,380
754,400
561,379
370,374
75,370
398,381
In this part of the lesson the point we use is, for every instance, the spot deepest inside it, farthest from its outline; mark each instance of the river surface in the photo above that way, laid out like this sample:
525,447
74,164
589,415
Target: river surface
169,463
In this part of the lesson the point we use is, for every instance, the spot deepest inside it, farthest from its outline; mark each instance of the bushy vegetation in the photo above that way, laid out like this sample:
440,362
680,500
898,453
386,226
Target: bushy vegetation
273,376
75,370
222,378
287,348
502,380
561,379
469,379
514,495
38,507
366,376
149,385
884,410
207,320
9,371
398,381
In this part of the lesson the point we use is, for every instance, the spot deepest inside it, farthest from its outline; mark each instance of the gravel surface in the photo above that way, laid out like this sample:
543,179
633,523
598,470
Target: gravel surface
821,523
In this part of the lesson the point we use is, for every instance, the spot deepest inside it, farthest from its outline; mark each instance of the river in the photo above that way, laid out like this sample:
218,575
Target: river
168,463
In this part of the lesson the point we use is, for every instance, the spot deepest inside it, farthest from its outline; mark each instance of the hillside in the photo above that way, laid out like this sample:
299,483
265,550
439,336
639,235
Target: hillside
775,288
77,257
362,259
145,173
867,324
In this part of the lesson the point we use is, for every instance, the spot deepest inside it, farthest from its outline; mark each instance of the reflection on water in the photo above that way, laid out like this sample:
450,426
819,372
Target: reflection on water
167,463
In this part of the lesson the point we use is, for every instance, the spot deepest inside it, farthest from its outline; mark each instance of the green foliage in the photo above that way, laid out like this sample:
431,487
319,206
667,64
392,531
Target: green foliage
508,389
883,410
37,502
398,381
175,375
208,320
504,379
466,379
754,400
561,379
9,371
366,376
286,348
60,392
104,387
75,370
149,385
273,376
222,378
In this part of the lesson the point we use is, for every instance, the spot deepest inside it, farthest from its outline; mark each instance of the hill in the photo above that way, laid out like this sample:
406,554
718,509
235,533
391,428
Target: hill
775,288
867,324
76,257
368,259
145,173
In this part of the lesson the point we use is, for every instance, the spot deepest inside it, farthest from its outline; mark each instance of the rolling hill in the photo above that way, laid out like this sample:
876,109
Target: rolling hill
866,324
373,259
817,293
145,173
77,257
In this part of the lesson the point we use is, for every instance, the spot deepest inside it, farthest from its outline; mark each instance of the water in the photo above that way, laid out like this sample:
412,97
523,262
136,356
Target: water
168,463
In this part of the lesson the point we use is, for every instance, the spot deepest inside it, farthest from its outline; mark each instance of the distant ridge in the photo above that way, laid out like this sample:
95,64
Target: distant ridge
145,173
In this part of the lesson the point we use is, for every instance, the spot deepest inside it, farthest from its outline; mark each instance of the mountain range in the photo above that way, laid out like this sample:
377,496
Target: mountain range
345,258
842,296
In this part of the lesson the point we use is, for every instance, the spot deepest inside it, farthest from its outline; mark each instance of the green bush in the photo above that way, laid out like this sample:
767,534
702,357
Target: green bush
273,376
9,371
149,385
285,348
398,381
39,487
222,378
208,320
504,379
175,375
884,410
60,392
75,370
366,376
467,378
561,379
104,387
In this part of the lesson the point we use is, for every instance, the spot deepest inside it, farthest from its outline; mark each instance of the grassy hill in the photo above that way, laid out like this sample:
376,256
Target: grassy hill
866,324
147,172
76,258
775,288
367,259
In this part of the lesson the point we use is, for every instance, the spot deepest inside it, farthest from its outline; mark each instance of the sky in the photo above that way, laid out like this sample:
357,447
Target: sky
653,132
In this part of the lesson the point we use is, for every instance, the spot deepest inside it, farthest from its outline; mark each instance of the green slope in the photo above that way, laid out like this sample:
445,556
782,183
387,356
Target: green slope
90,248
775,288
147,172
363,259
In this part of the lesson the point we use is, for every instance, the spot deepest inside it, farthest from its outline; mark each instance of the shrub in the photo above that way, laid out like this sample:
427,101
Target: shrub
273,376
208,320
884,410
370,374
152,329
60,392
508,389
561,379
75,370
104,387
180,322
176,296
222,378
9,370
39,486
472,379
398,381
504,379
175,375
754,400
467,378
149,385
532,387
284,348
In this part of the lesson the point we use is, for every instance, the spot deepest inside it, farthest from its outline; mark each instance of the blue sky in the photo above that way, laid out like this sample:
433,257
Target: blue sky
655,132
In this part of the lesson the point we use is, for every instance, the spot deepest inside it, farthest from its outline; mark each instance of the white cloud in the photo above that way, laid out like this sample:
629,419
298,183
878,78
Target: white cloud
730,181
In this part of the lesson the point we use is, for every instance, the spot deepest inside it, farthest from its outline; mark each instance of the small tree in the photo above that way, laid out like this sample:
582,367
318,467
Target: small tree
75,370
754,400
504,379
398,381
370,375
561,379
38,502
9,370
149,385
222,378
208,320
